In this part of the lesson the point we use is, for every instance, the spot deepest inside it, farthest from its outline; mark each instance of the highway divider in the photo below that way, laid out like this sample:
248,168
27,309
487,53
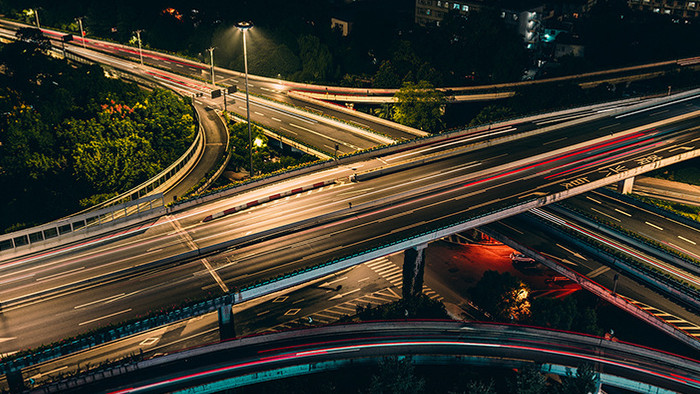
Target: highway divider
595,288
642,272
264,287
263,200
631,238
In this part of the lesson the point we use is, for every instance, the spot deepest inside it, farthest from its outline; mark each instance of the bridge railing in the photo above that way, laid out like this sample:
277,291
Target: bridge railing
134,203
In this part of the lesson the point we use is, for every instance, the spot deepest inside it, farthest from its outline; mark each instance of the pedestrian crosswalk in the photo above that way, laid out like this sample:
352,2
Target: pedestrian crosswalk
393,273
682,324
383,267
339,311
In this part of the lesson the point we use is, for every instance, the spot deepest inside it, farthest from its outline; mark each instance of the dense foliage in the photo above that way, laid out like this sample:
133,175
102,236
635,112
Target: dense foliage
266,159
72,137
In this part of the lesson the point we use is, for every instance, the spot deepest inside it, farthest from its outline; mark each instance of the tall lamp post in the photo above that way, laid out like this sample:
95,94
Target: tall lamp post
211,54
36,16
244,27
82,32
138,35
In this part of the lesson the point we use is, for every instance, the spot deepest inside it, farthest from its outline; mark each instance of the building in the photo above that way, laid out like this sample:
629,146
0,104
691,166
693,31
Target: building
676,8
432,12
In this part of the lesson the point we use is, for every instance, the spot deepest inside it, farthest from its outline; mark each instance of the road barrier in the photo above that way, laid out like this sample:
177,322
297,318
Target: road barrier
595,288
263,200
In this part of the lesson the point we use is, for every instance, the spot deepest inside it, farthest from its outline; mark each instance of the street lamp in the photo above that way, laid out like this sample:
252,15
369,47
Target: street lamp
138,35
82,32
211,53
244,27
36,16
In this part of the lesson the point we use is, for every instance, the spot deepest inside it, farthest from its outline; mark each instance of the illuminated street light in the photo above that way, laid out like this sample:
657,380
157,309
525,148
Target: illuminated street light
138,35
82,32
244,27
211,54
36,16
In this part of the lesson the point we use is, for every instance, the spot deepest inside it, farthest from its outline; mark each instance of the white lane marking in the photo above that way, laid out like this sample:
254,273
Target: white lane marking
653,225
594,200
553,141
149,341
335,281
262,313
39,375
275,119
622,212
105,317
98,301
598,271
259,113
363,279
512,228
335,297
288,131
60,274
442,146
605,214
656,106
687,240
681,148
572,252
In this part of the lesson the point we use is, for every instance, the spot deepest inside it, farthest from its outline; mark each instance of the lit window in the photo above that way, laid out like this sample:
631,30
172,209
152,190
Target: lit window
465,8
691,4
455,6
439,3
656,10
427,12
447,5
667,12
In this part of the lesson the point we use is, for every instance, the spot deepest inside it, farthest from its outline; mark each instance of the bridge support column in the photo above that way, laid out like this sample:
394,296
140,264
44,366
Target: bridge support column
625,186
413,267
15,381
226,327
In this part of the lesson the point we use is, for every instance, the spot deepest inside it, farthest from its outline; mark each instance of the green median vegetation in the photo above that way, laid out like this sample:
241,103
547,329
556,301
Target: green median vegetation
70,137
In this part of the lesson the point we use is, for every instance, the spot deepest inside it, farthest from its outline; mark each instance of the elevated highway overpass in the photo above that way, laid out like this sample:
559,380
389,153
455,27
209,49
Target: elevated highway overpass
393,207
251,360
332,227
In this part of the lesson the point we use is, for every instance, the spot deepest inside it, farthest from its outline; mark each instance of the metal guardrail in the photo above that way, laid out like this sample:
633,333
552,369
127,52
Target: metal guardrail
304,274
134,201
82,224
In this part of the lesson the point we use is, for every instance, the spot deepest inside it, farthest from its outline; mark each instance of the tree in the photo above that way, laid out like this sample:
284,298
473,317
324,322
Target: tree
386,76
554,313
396,376
502,295
384,111
33,36
529,380
584,382
316,60
491,114
479,387
420,106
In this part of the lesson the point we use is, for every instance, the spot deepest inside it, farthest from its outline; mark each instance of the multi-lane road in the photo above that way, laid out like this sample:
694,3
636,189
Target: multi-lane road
322,224
444,342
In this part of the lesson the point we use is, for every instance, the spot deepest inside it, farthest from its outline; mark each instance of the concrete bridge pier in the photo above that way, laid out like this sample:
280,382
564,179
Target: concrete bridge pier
413,268
226,322
15,381
625,186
